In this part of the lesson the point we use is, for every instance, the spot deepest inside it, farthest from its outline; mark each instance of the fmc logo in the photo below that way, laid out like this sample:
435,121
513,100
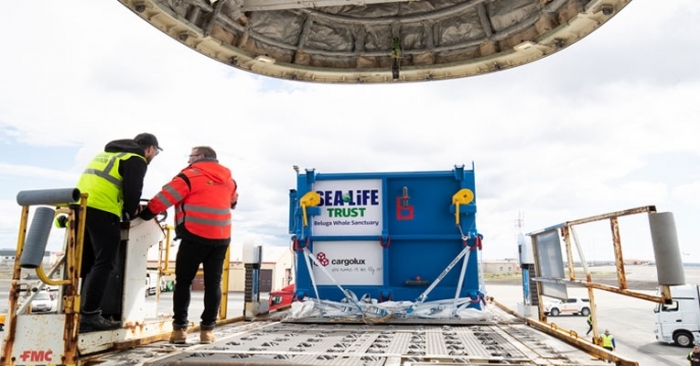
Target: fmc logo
36,356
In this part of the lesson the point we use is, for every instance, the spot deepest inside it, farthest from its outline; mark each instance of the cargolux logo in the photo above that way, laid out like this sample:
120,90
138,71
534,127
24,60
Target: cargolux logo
36,356
321,257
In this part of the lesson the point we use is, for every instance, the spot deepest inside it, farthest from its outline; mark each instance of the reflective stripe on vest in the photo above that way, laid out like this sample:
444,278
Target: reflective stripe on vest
206,211
103,183
199,220
104,173
164,200
607,340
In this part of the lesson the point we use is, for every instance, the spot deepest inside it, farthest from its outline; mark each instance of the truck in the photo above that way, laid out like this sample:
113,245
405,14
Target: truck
679,322
387,272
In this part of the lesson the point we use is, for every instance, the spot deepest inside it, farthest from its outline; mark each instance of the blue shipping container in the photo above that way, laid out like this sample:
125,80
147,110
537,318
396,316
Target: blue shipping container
391,236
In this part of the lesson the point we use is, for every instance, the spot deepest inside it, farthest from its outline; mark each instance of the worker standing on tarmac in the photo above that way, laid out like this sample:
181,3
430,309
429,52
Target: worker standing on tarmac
113,181
608,341
589,320
694,356
204,193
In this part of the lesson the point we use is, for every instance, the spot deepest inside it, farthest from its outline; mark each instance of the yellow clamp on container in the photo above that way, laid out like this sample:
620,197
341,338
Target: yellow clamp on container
310,199
463,197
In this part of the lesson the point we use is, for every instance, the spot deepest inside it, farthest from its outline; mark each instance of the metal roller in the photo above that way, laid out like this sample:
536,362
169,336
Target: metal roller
48,196
37,237
667,254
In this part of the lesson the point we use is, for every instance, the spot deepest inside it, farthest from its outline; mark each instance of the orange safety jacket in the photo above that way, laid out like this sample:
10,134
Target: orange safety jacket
203,194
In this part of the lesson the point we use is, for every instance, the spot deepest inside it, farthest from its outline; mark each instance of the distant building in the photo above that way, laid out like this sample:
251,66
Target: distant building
508,266
7,256
276,270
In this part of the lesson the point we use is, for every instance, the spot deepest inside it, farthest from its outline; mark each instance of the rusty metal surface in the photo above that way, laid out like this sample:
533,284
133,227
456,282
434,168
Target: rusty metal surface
11,317
631,211
603,287
619,261
58,331
566,233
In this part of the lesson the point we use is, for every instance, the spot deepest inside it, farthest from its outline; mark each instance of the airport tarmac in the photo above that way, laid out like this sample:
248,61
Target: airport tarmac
630,320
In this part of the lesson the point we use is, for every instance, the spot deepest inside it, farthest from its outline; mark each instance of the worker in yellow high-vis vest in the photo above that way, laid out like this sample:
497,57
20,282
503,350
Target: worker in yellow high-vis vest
694,356
113,181
608,341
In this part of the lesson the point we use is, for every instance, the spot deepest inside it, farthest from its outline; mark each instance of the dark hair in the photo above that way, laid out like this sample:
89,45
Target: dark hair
207,151
147,139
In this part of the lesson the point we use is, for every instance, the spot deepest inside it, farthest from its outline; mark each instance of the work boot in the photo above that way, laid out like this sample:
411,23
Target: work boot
90,322
178,336
206,336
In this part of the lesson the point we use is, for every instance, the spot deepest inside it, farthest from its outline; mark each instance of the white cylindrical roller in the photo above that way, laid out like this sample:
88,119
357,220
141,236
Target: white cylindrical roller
667,254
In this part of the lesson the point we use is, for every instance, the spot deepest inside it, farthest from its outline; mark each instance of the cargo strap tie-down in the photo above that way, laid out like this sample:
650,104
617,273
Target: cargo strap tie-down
308,255
388,242
464,253
295,244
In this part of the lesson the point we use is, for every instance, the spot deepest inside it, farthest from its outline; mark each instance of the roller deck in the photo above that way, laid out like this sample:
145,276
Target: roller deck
505,341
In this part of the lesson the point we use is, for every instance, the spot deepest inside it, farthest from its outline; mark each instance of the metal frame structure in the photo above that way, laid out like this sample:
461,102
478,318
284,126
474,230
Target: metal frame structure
54,337
70,304
568,232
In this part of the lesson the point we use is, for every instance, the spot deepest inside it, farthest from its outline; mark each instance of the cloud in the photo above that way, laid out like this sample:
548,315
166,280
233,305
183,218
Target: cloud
579,133
688,193
33,172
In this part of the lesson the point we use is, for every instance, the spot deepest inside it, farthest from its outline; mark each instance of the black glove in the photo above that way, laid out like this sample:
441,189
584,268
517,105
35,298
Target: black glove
146,214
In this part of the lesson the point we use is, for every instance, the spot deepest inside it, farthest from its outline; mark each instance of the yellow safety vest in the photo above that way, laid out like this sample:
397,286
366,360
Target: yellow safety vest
103,183
607,340
690,357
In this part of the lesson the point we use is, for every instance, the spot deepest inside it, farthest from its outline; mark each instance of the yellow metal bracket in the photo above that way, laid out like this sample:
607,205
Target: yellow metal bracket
463,197
310,199
45,279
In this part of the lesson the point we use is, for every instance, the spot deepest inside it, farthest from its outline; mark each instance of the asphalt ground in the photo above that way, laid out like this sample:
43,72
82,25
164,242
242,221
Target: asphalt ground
629,319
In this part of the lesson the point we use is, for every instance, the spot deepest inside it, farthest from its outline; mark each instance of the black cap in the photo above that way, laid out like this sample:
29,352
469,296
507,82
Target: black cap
147,139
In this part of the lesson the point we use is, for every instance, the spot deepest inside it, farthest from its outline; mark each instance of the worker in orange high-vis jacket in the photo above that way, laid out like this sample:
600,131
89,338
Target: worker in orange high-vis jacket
204,193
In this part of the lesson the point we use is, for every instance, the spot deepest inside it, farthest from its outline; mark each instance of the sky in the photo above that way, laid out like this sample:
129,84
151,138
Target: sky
606,124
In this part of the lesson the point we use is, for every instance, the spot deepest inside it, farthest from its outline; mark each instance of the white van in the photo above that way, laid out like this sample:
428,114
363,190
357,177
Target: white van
151,282
679,322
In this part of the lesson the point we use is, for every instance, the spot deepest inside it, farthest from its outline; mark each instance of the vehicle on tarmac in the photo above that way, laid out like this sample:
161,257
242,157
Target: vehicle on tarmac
573,306
679,322
281,298
151,282
43,302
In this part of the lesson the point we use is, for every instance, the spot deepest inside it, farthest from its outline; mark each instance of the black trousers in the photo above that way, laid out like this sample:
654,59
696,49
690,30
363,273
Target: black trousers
189,256
102,238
